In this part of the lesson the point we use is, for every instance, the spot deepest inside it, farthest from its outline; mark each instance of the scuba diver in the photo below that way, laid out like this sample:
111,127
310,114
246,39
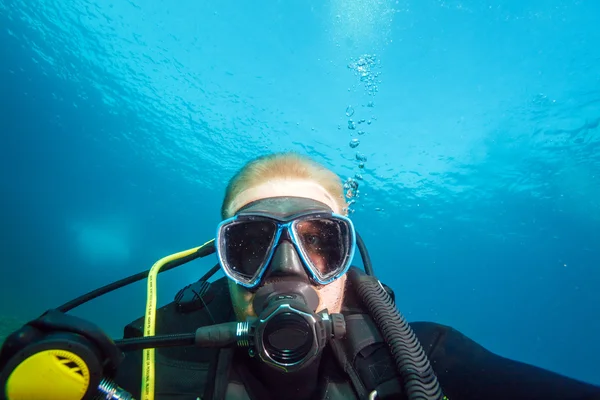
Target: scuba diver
292,318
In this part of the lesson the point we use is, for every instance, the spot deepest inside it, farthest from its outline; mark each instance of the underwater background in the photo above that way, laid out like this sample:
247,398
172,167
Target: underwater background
466,132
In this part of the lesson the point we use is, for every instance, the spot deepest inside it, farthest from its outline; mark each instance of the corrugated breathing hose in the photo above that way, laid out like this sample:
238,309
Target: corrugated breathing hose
418,378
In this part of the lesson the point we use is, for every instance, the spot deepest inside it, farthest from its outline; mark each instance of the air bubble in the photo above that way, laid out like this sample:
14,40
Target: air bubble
361,157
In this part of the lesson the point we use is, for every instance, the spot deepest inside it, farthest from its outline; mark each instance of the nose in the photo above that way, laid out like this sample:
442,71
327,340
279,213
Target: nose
286,262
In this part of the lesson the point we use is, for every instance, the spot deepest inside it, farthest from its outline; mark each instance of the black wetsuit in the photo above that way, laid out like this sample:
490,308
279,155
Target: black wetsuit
465,370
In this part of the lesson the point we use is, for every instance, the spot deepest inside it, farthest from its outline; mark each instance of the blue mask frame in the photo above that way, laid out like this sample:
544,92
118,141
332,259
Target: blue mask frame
288,225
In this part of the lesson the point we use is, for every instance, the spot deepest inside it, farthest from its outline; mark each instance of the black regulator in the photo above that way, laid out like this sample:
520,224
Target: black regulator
288,334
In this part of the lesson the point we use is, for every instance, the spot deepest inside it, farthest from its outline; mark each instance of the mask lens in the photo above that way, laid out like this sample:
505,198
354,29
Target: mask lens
247,246
325,243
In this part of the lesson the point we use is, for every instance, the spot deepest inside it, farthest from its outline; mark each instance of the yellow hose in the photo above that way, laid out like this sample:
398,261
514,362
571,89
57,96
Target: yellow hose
150,319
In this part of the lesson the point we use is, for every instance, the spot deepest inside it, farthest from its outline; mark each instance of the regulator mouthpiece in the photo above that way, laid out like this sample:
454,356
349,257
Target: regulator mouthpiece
299,291
288,335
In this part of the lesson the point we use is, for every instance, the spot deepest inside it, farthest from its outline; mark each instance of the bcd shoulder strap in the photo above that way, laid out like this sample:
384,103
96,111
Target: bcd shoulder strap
365,357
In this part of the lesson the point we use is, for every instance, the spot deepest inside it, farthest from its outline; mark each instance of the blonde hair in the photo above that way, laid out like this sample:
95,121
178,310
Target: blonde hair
288,165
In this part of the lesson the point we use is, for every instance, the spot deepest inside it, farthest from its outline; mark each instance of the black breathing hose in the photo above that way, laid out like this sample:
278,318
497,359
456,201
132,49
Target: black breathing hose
418,379
364,254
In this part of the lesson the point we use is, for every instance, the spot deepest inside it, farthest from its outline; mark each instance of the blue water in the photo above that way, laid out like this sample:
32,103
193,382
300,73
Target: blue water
121,122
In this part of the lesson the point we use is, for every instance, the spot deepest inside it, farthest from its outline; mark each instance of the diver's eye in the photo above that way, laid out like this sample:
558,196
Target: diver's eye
312,240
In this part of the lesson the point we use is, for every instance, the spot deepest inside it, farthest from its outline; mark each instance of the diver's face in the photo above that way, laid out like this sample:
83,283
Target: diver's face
331,296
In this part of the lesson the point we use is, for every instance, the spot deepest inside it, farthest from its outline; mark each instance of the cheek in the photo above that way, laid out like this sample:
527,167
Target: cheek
331,296
241,300
320,263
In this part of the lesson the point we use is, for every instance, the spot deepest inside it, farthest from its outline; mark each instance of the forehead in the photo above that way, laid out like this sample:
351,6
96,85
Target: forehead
284,207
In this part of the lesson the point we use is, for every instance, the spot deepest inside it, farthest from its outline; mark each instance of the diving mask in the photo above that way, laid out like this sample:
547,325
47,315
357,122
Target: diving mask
324,240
